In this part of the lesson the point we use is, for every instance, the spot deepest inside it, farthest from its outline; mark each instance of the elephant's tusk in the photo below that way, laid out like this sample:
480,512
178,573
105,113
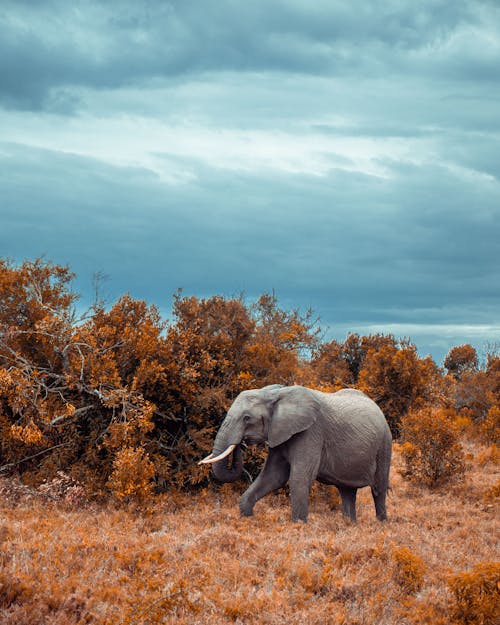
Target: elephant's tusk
205,460
210,459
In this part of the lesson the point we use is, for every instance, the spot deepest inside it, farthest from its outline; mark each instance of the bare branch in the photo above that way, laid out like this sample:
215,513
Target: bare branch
7,467
79,411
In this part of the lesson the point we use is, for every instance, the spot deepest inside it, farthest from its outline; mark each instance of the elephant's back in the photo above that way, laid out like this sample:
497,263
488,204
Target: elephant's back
353,410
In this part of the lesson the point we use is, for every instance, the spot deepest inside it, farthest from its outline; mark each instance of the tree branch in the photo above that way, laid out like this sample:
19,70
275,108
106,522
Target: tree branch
7,467
56,420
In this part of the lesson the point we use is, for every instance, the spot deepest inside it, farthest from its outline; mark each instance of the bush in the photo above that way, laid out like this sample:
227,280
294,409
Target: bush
491,495
65,489
490,427
410,569
477,594
132,475
431,450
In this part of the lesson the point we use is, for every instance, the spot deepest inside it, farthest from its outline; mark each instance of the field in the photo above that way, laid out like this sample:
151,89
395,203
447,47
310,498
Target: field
191,559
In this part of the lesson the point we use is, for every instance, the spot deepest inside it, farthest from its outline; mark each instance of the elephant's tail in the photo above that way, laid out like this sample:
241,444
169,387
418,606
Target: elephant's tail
381,480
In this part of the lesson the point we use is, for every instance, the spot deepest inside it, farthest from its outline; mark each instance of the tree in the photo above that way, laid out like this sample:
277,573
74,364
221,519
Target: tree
330,367
473,391
397,379
69,387
461,359
281,342
36,316
431,450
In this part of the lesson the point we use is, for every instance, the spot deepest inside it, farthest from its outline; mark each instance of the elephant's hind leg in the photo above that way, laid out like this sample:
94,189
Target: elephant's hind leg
348,496
274,475
379,500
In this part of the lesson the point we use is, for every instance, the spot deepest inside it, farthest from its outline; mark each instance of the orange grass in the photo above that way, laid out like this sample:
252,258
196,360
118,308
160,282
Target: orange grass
191,559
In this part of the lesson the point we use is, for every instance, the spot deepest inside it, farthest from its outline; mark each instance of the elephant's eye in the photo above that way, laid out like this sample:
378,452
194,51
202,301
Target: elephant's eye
246,418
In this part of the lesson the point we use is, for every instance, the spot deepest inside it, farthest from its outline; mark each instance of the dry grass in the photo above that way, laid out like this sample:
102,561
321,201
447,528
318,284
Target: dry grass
191,559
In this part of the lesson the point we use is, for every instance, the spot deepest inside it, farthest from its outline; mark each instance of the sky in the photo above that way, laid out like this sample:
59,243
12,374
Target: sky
345,155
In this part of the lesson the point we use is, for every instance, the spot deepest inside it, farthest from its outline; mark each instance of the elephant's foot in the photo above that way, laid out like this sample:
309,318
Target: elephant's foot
348,496
246,508
300,509
299,500
379,500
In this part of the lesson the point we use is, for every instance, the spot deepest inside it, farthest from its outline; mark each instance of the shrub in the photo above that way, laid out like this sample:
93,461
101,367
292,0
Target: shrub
492,494
65,489
477,594
132,474
410,569
490,427
398,380
461,358
431,451
489,455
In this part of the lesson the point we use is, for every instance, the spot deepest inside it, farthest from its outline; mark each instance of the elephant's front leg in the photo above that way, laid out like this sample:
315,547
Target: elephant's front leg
302,476
274,475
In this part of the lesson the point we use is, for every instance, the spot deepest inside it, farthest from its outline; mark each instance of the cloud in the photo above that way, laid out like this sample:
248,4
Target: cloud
353,246
345,155
56,46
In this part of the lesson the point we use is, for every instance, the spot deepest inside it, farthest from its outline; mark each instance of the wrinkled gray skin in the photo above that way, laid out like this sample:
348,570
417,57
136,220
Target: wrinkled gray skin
336,438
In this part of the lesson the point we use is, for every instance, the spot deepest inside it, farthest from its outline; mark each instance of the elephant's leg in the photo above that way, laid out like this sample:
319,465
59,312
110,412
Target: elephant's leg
302,476
379,500
299,499
348,496
274,475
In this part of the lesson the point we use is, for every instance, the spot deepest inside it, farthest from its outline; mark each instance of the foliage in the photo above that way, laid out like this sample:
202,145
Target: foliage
461,358
410,569
475,391
431,449
489,428
398,380
132,474
84,395
477,594
340,364
89,395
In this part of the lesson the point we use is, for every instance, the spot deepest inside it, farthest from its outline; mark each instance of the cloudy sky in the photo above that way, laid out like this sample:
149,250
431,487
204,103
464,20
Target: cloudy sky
344,154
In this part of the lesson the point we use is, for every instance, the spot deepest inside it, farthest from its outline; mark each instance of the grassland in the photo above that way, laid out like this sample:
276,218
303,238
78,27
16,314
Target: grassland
191,559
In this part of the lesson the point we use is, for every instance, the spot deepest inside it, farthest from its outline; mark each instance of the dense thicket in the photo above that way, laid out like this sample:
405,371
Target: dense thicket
122,400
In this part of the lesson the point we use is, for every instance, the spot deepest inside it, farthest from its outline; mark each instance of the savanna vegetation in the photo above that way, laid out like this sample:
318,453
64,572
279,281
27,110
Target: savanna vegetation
105,516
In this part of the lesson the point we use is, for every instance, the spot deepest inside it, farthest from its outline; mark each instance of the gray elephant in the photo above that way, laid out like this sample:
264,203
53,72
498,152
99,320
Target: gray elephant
337,438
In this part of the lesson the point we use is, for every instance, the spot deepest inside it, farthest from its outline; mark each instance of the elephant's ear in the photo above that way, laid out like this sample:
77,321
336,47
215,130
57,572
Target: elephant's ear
295,410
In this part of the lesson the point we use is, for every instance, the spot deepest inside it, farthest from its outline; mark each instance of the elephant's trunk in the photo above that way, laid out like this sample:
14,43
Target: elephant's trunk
227,445
229,469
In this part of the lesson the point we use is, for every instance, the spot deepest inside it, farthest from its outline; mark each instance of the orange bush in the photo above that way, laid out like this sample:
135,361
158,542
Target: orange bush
477,594
461,358
410,569
132,475
398,380
490,427
431,449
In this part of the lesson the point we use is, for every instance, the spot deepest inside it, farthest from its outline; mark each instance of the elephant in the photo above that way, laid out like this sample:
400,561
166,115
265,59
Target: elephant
339,438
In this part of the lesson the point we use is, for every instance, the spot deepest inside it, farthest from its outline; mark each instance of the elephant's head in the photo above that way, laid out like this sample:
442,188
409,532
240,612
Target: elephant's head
269,415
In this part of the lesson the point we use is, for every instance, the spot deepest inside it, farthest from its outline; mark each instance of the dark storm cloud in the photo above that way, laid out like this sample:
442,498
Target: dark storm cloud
406,254
47,48
344,154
